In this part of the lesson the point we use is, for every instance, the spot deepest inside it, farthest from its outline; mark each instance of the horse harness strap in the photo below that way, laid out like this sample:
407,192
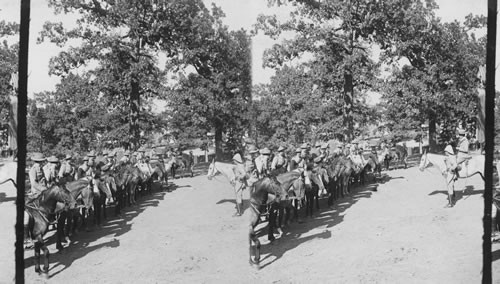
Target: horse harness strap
42,213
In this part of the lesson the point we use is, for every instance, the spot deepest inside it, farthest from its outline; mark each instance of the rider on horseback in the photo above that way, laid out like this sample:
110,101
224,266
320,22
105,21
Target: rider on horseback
261,163
239,182
66,172
50,170
462,147
37,179
279,163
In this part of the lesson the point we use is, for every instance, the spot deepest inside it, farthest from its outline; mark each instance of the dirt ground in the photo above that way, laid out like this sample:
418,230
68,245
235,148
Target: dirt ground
394,231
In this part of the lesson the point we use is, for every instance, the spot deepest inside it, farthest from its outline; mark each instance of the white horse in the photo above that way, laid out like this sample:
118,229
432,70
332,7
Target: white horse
226,169
473,166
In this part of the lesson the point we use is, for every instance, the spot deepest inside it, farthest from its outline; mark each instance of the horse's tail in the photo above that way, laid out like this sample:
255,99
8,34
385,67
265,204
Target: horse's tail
11,180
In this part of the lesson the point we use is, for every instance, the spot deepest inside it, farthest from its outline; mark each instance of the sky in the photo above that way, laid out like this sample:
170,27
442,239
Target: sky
239,14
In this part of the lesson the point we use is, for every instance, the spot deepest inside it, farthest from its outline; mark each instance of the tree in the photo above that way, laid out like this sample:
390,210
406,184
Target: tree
337,34
8,65
218,94
122,37
440,84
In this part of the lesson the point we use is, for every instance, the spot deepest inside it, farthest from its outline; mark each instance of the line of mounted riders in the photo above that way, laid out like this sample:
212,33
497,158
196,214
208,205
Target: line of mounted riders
279,185
65,196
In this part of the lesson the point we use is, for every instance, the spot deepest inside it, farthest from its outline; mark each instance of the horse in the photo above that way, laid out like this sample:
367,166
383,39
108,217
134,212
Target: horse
41,211
474,165
82,193
399,155
270,192
226,169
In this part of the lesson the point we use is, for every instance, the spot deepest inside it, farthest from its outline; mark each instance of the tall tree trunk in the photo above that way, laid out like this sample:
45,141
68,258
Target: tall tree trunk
218,140
432,134
134,113
348,100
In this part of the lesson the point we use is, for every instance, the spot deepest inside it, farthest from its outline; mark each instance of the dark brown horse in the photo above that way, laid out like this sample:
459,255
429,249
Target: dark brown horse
41,211
68,219
269,192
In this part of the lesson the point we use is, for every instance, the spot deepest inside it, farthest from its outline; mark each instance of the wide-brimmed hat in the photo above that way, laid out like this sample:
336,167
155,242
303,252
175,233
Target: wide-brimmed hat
461,131
112,154
105,153
85,158
318,144
106,167
265,151
38,157
237,158
324,146
318,160
68,157
252,149
91,154
449,150
281,149
304,146
126,153
53,159
298,150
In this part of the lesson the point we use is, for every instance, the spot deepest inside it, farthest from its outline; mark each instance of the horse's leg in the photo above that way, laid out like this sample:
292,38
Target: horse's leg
254,243
46,255
450,185
38,245
271,223
60,230
316,196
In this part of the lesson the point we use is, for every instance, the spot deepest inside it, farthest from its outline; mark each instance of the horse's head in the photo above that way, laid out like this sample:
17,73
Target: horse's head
63,195
212,170
424,161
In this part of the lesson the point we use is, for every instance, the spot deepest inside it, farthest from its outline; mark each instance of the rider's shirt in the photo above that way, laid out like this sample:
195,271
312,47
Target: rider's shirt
278,162
294,162
239,173
261,165
463,145
50,172
66,169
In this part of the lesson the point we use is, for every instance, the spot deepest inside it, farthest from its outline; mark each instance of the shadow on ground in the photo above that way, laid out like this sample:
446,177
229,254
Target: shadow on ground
81,243
327,217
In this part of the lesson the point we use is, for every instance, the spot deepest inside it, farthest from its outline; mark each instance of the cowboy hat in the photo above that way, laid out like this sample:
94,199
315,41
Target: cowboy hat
237,158
252,149
265,151
106,167
38,157
68,157
318,144
53,159
461,131
281,149
318,160
105,153
298,150
324,146
85,158
91,154
449,150
304,146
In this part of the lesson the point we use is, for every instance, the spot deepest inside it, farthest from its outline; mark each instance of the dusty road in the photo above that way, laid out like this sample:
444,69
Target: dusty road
397,231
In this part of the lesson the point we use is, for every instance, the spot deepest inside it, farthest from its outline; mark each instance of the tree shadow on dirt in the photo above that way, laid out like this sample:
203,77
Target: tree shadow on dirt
114,227
326,216
384,178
